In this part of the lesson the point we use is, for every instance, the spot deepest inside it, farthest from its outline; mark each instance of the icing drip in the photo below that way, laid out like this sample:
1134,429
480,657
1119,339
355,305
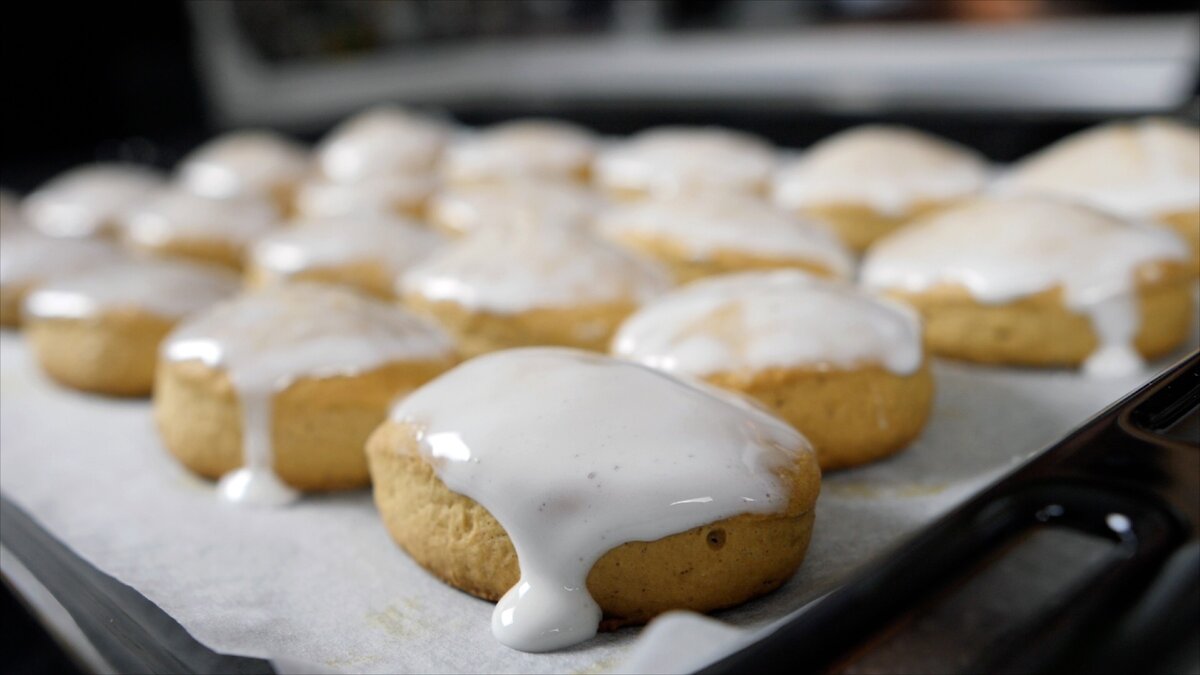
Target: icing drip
1138,170
588,453
706,224
178,215
468,208
890,169
761,320
674,160
382,141
267,340
393,242
167,289
88,199
243,163
1004,250
521,149
514,267
30,258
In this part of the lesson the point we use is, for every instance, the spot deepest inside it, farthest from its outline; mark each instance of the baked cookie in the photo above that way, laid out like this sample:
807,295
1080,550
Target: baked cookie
523,149
531,283
870,180
846,369
183,224
28,259
379,162
382,141
1039,282
246,164
669,161
364,253
387,195
464,209
99,330
1148,169
529,475
703,235
276,391
88,200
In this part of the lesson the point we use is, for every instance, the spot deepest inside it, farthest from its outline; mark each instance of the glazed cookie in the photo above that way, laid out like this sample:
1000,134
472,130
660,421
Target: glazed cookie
89,200
1040,283
527,283
381,141
28,260
99,330
365,253
179,223
846,369
246,164
571,487
387,195
276,391
465,209
1148,169
703,235
870,180
523,149
669,161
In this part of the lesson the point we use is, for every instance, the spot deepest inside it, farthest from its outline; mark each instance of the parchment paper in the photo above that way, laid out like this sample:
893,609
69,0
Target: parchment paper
321,583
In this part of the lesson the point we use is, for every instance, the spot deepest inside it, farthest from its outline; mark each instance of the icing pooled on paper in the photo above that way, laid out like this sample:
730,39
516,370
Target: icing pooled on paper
514,267
705,224
244,163
467,208
780,319
1136,169
529,149
168,289
890,169
687,160
88,199
391,242
267,340
1004,250
584,453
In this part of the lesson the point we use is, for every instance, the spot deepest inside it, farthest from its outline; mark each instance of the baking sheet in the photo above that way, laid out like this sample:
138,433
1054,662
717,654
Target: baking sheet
321,583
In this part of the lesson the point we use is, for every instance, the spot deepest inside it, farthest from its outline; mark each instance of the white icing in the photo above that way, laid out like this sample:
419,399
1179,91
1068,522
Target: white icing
1136,169
467,208
167,289
243,163
377,195
673,160
267,340
890,169
705,224
1004,250
28,258
174,214
514,267
759,320
521,149
587,453
384,140
88,199
392,242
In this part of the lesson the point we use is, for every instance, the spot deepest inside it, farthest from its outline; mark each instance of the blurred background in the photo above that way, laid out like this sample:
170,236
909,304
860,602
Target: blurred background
147,81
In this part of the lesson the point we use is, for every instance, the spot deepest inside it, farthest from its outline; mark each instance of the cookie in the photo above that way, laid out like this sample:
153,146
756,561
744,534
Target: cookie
529,475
